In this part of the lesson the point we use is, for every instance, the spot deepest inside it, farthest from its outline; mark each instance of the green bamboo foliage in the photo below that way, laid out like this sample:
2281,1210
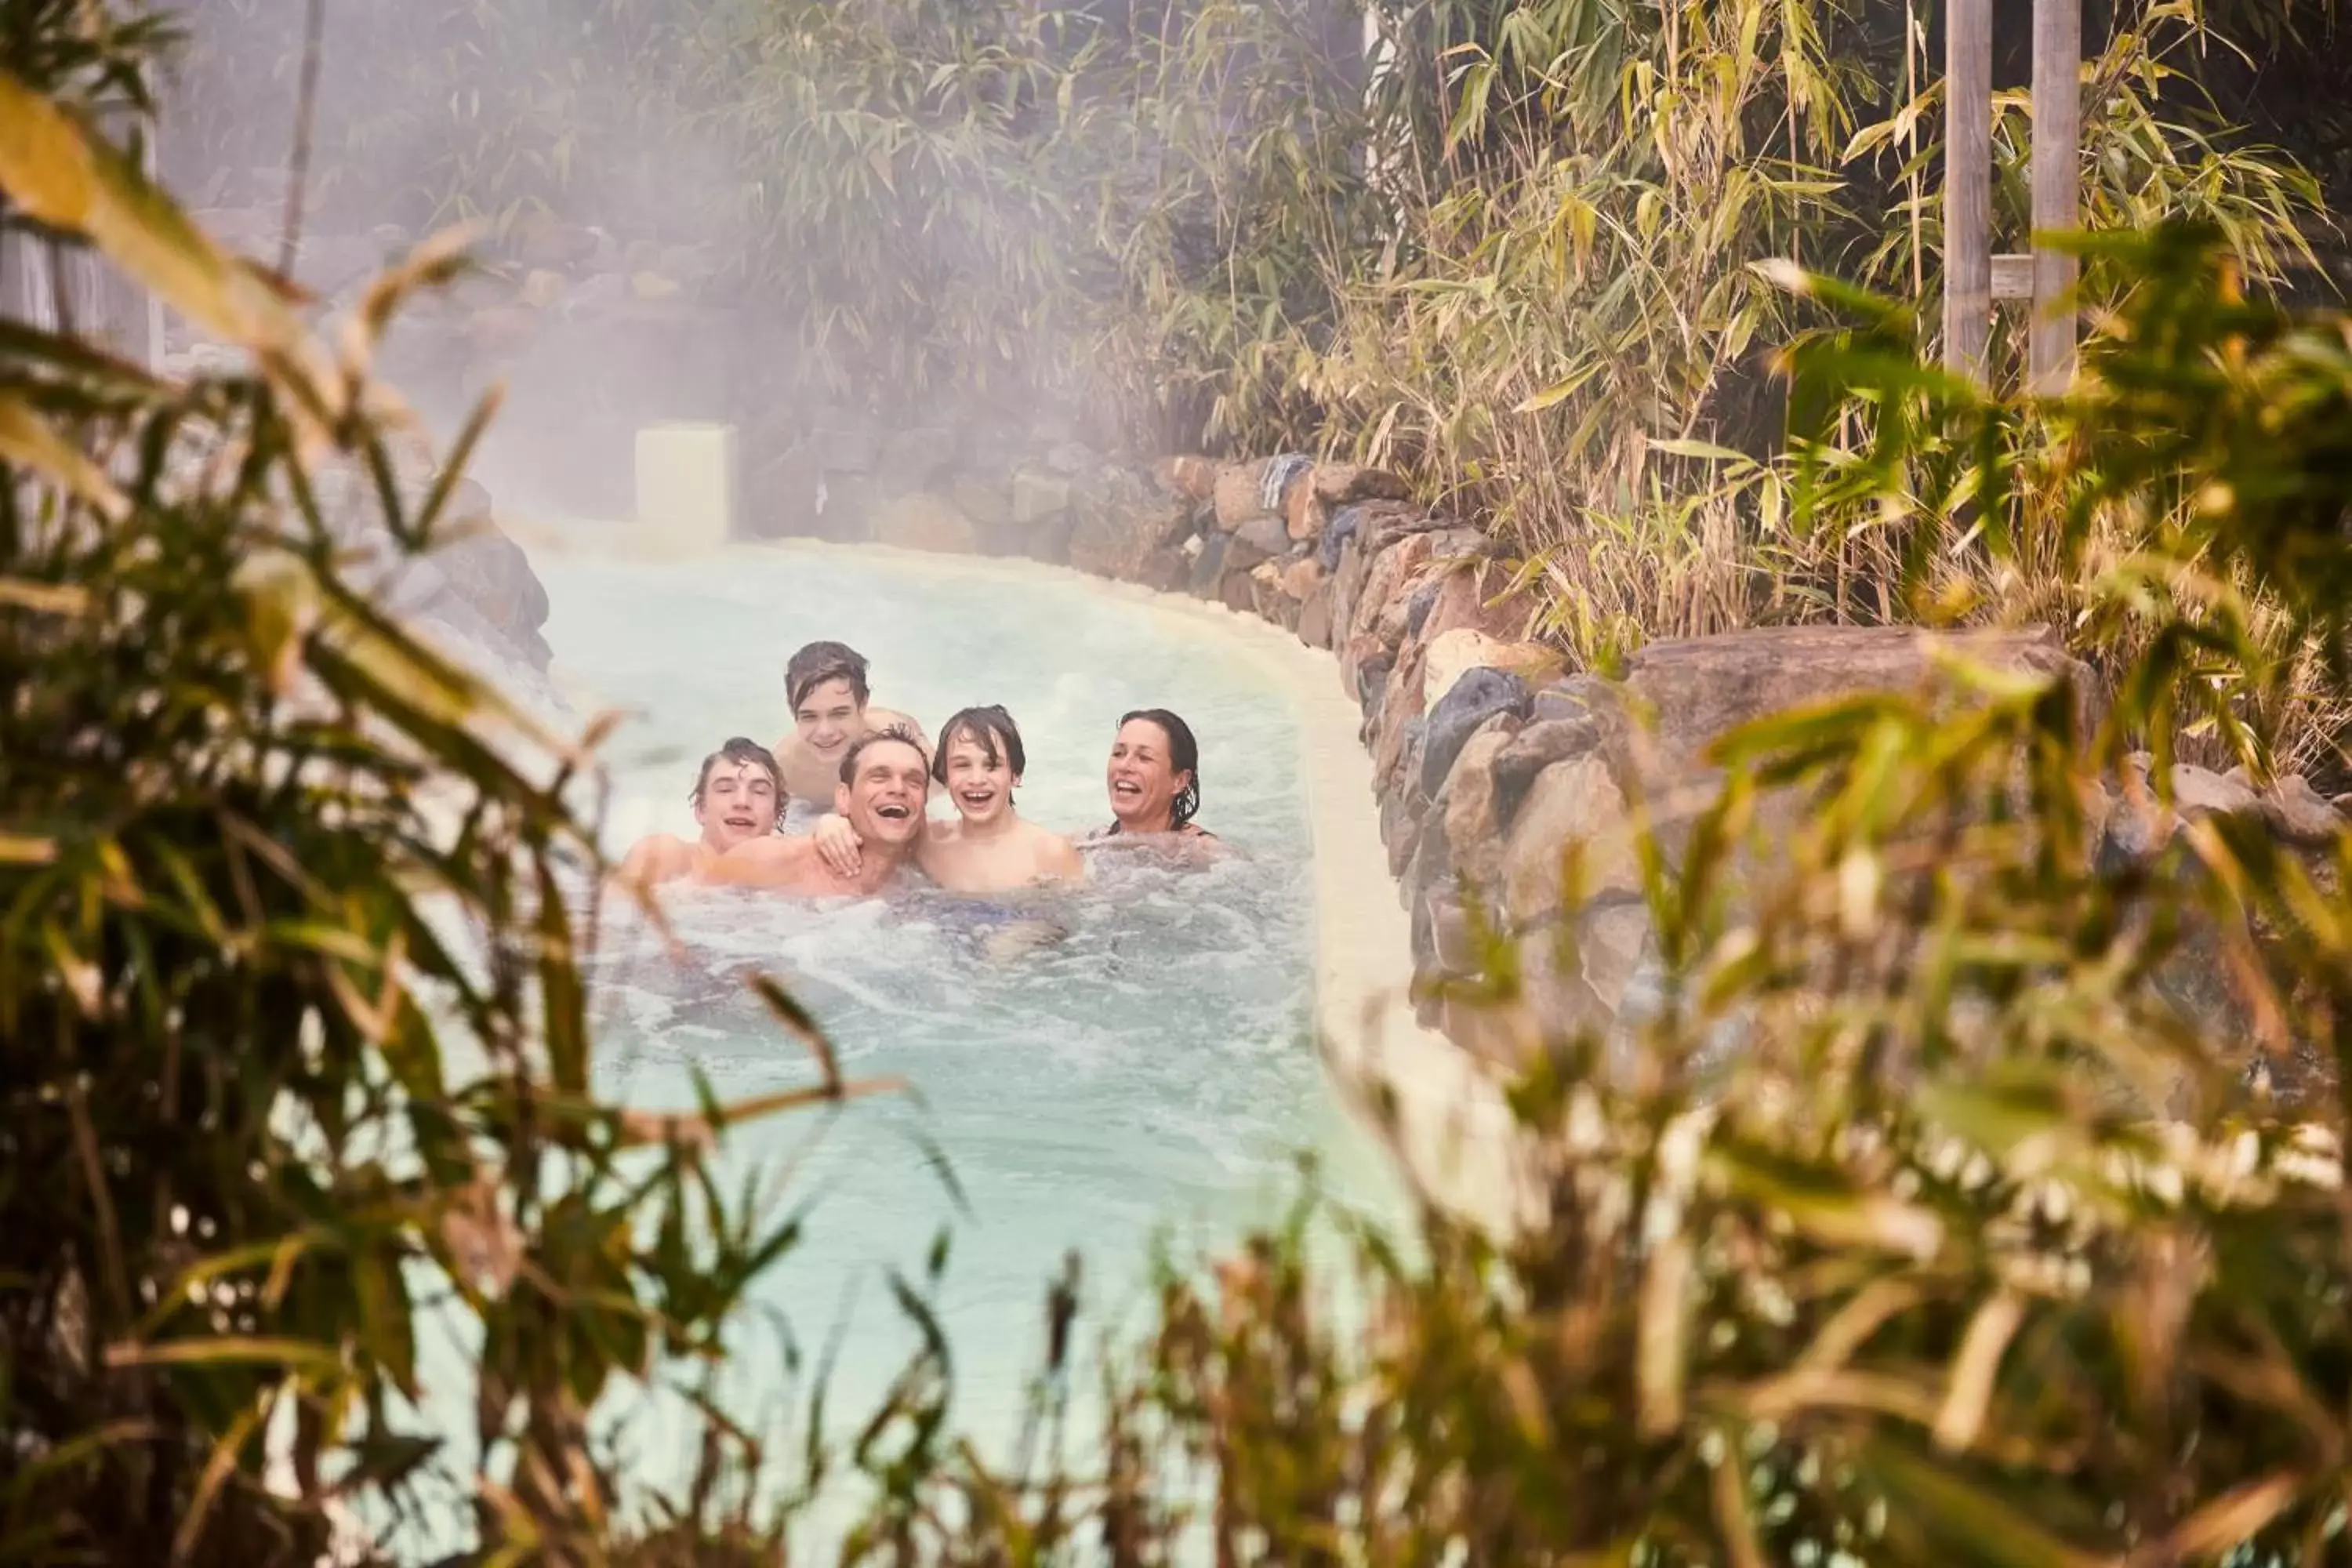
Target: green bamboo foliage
1574,341
1512,250
1916,1224
292,978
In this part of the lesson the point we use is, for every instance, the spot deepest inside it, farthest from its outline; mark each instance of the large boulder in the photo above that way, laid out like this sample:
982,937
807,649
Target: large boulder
1354,542
1406,605
1649,733
1191,477
1684,694
1536,747
1338,484
1479,696
1301,576
474,579
986,502
2300,815
925,520
493,575
1117,541
1474,595
1400,831
1166,570
1473,827
2200,791
1304,513
1047,540
1396,725
1387,579
1039,494
1261,539
1572,803
1236,493
1209,567
1315,616
1455,654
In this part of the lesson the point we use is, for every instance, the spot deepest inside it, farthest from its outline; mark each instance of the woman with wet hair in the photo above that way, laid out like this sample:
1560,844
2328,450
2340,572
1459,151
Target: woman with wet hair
1155,778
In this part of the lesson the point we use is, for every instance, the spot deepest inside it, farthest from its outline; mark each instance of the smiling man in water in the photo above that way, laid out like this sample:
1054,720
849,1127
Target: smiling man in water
988,848
735,800
884,780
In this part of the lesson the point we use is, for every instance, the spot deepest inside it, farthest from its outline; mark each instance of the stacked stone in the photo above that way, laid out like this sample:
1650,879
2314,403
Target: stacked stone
1492,761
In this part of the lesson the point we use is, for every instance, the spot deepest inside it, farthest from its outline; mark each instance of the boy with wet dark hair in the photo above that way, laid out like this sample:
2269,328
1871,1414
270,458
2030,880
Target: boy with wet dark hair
988,848
736,797
825,661
826,683
992,729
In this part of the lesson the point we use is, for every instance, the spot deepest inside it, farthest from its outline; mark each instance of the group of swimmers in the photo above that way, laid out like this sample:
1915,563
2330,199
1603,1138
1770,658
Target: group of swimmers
838,807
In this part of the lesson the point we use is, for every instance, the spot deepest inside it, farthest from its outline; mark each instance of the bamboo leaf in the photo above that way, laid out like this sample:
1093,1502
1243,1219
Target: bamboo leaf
62,599
1975,1369
1559,392
1966,1522
72,180
27,439
22,849
294,1356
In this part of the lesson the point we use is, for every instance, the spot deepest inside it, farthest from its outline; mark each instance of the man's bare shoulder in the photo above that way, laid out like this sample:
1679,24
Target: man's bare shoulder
761,862
657,857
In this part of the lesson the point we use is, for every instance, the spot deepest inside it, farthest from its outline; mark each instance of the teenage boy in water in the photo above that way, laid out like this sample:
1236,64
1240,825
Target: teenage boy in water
735,798
988,848
883,782
825,682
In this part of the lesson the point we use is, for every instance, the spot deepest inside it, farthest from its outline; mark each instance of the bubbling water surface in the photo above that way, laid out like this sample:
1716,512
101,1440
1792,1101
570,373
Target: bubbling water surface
1146,1068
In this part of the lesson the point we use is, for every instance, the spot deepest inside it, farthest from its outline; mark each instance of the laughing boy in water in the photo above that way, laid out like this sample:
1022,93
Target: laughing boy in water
988,848
735,799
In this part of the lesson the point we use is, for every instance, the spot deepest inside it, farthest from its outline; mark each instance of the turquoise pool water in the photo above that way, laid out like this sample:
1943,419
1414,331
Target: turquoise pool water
1151,1076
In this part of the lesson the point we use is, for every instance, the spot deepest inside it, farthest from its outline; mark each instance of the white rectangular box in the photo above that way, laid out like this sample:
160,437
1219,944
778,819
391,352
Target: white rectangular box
685,486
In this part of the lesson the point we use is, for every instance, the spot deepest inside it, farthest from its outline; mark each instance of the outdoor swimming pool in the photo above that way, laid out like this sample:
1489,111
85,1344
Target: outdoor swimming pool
1150,1076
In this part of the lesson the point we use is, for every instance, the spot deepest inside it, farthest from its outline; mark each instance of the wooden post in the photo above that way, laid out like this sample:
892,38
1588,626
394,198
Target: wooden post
2057,174
1968,185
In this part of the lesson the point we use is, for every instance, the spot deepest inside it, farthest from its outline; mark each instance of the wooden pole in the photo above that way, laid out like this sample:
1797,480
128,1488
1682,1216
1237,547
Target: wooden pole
2057,174
1968,185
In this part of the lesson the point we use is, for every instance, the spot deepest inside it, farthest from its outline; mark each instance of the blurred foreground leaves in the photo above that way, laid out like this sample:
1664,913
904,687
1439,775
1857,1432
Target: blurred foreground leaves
291,985
1915,1224
1918,1222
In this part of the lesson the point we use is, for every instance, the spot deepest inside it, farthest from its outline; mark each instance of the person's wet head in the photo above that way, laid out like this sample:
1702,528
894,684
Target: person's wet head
1154,773
980,762
884,780
737,793
826,683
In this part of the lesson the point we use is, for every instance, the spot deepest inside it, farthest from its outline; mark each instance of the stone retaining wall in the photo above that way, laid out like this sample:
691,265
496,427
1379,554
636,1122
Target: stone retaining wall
1491,757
